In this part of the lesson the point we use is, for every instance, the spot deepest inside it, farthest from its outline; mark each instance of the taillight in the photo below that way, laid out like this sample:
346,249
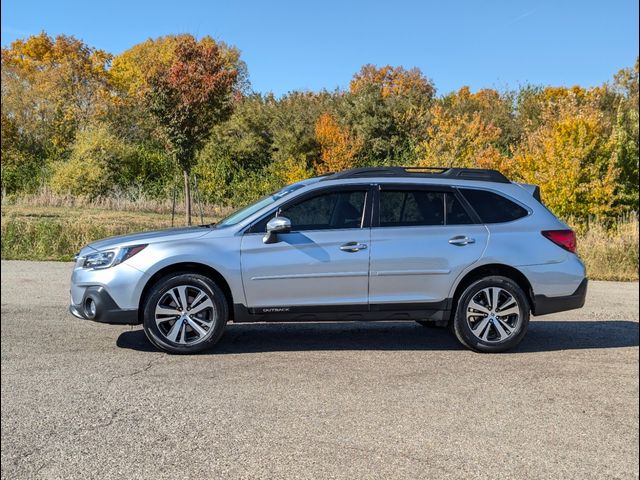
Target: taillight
563,238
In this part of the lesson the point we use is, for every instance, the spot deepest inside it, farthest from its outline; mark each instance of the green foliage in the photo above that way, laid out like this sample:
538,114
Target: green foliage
625,137
21,169
389,126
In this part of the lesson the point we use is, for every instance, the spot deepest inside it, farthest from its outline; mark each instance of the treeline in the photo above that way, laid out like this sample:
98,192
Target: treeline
79,120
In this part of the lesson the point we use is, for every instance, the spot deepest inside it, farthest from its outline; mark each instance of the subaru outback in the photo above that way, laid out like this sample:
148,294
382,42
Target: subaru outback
466,248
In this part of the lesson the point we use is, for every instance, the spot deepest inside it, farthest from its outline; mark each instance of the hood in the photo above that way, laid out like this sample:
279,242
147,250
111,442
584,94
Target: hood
156,236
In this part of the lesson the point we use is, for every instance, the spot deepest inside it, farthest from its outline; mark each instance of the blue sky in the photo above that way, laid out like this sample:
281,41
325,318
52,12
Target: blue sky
302,45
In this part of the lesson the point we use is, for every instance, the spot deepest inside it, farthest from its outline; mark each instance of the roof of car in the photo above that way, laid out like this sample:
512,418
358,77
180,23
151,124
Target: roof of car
479,174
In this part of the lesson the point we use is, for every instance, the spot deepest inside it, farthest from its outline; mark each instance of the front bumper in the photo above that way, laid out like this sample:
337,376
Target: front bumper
98,306
543,305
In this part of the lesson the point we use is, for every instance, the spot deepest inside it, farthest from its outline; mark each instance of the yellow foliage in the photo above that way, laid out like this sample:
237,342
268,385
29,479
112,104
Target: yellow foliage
482,99
82,177
338,147
463,140
59,83
32,55
570,156
96,157
576,95
131,68
292,171
555,94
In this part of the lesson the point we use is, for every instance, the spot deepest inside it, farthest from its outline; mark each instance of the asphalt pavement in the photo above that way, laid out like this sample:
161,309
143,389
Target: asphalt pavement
82,400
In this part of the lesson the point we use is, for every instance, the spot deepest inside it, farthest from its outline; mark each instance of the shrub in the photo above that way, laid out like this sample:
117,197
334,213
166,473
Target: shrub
96,162
102,163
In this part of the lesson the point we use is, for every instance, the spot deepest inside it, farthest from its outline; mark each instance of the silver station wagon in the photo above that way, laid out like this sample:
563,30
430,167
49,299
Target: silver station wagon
464,248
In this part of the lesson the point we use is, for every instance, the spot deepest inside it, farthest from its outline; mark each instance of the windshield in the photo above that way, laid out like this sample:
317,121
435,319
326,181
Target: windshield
239,215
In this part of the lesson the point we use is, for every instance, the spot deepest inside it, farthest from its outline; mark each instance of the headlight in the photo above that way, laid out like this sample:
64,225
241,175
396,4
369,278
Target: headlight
110,258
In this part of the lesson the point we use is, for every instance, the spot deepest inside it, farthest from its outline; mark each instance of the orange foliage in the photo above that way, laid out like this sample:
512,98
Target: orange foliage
392,80
338,147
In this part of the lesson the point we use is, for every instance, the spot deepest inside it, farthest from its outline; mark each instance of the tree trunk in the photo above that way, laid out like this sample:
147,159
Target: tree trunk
187,197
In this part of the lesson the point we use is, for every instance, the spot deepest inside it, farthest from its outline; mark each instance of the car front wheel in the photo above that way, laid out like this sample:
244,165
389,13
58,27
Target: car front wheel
492,315
185,313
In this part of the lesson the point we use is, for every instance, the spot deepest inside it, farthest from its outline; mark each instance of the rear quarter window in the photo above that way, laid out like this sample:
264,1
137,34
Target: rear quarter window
493,208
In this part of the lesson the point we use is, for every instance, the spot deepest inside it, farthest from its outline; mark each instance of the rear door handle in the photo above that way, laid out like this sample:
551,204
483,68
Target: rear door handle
461,240
353,247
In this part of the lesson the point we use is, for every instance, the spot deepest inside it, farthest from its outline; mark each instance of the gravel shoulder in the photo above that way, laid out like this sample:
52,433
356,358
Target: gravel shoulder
331,400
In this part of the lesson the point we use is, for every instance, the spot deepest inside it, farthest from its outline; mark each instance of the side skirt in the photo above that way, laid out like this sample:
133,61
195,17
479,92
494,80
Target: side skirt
436,311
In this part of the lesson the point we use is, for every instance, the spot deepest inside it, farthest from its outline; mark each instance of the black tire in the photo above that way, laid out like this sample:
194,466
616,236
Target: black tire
219,316
463,330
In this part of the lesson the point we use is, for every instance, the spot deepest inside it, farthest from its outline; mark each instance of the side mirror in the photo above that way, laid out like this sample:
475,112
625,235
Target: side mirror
276,225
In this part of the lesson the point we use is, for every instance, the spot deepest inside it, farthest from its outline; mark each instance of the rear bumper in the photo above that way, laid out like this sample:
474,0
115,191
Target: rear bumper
543,305
98,306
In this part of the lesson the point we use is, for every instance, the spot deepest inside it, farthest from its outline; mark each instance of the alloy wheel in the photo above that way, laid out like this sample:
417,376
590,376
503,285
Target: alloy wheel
185,315
493,314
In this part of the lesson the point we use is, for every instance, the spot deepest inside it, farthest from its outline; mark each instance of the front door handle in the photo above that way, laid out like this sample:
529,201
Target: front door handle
461,240
353,247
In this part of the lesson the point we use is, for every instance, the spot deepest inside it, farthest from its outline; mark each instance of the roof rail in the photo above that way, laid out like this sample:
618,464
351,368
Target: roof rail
481,174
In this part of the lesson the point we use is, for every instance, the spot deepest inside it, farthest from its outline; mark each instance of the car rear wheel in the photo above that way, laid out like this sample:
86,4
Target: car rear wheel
185,313
492,315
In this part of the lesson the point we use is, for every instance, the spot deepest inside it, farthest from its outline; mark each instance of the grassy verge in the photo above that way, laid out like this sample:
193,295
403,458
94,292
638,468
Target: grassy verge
32,232
58,233
610,252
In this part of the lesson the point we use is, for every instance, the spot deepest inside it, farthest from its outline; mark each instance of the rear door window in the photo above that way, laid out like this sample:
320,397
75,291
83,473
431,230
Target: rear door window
408,208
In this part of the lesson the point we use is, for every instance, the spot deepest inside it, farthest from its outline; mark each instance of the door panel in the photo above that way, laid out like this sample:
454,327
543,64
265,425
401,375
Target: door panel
306,268
419,264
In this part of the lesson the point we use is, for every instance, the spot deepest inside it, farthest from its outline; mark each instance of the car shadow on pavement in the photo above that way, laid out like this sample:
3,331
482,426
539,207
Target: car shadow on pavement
543,336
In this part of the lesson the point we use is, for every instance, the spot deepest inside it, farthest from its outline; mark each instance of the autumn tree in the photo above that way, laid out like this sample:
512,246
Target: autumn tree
490,107
188,98
387,108
130,73
339,147
570,157
59,83
51,88
462,140
392,81
625,136
96,165
132,68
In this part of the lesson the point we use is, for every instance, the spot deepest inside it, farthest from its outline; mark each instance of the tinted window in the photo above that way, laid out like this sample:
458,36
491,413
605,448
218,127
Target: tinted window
493,208
456,213
420,207
325,211
410,208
